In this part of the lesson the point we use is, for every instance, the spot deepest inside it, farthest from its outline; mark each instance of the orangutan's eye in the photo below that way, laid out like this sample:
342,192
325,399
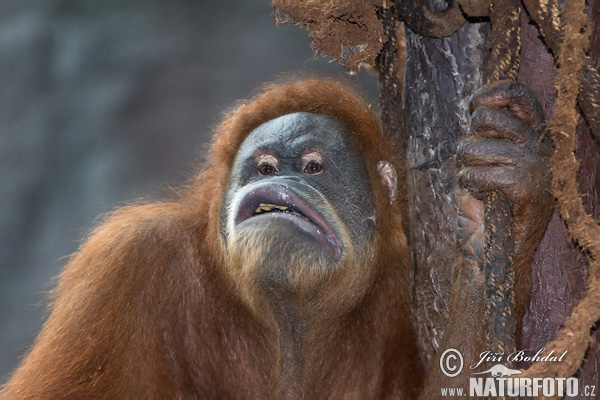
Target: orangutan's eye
266,168
312,162
267,164
313,167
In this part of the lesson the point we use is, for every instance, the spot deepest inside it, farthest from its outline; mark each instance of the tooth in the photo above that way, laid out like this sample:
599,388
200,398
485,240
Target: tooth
257,210
282,208
266,207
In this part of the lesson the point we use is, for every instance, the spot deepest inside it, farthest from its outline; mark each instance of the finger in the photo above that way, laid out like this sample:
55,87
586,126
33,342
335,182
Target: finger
470,214
499,123
514,96
470,227
472,152
484,179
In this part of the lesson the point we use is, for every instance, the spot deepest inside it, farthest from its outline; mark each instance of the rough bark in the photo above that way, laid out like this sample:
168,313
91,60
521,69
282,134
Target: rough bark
440,76
559,269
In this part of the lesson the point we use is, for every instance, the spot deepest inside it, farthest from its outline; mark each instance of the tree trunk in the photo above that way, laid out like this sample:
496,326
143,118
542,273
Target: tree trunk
440,75
559,269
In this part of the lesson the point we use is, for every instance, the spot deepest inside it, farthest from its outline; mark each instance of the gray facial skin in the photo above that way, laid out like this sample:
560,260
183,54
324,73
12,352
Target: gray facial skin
305,163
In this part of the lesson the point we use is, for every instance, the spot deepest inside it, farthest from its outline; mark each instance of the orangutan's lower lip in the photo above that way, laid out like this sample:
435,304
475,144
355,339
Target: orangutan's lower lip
278,202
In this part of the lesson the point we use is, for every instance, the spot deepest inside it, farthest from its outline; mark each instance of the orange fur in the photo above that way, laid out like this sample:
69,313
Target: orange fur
146,308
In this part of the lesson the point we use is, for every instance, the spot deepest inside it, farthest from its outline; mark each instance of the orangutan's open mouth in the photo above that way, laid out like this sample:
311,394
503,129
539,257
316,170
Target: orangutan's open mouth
280,202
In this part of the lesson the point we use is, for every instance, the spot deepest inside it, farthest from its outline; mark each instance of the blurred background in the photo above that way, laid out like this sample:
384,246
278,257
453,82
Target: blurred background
106,101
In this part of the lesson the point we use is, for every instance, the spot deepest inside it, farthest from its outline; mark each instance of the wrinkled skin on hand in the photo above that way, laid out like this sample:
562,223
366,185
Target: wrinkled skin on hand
505,151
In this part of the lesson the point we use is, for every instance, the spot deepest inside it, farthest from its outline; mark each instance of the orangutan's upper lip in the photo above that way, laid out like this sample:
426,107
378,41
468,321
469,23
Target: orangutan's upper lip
276,198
